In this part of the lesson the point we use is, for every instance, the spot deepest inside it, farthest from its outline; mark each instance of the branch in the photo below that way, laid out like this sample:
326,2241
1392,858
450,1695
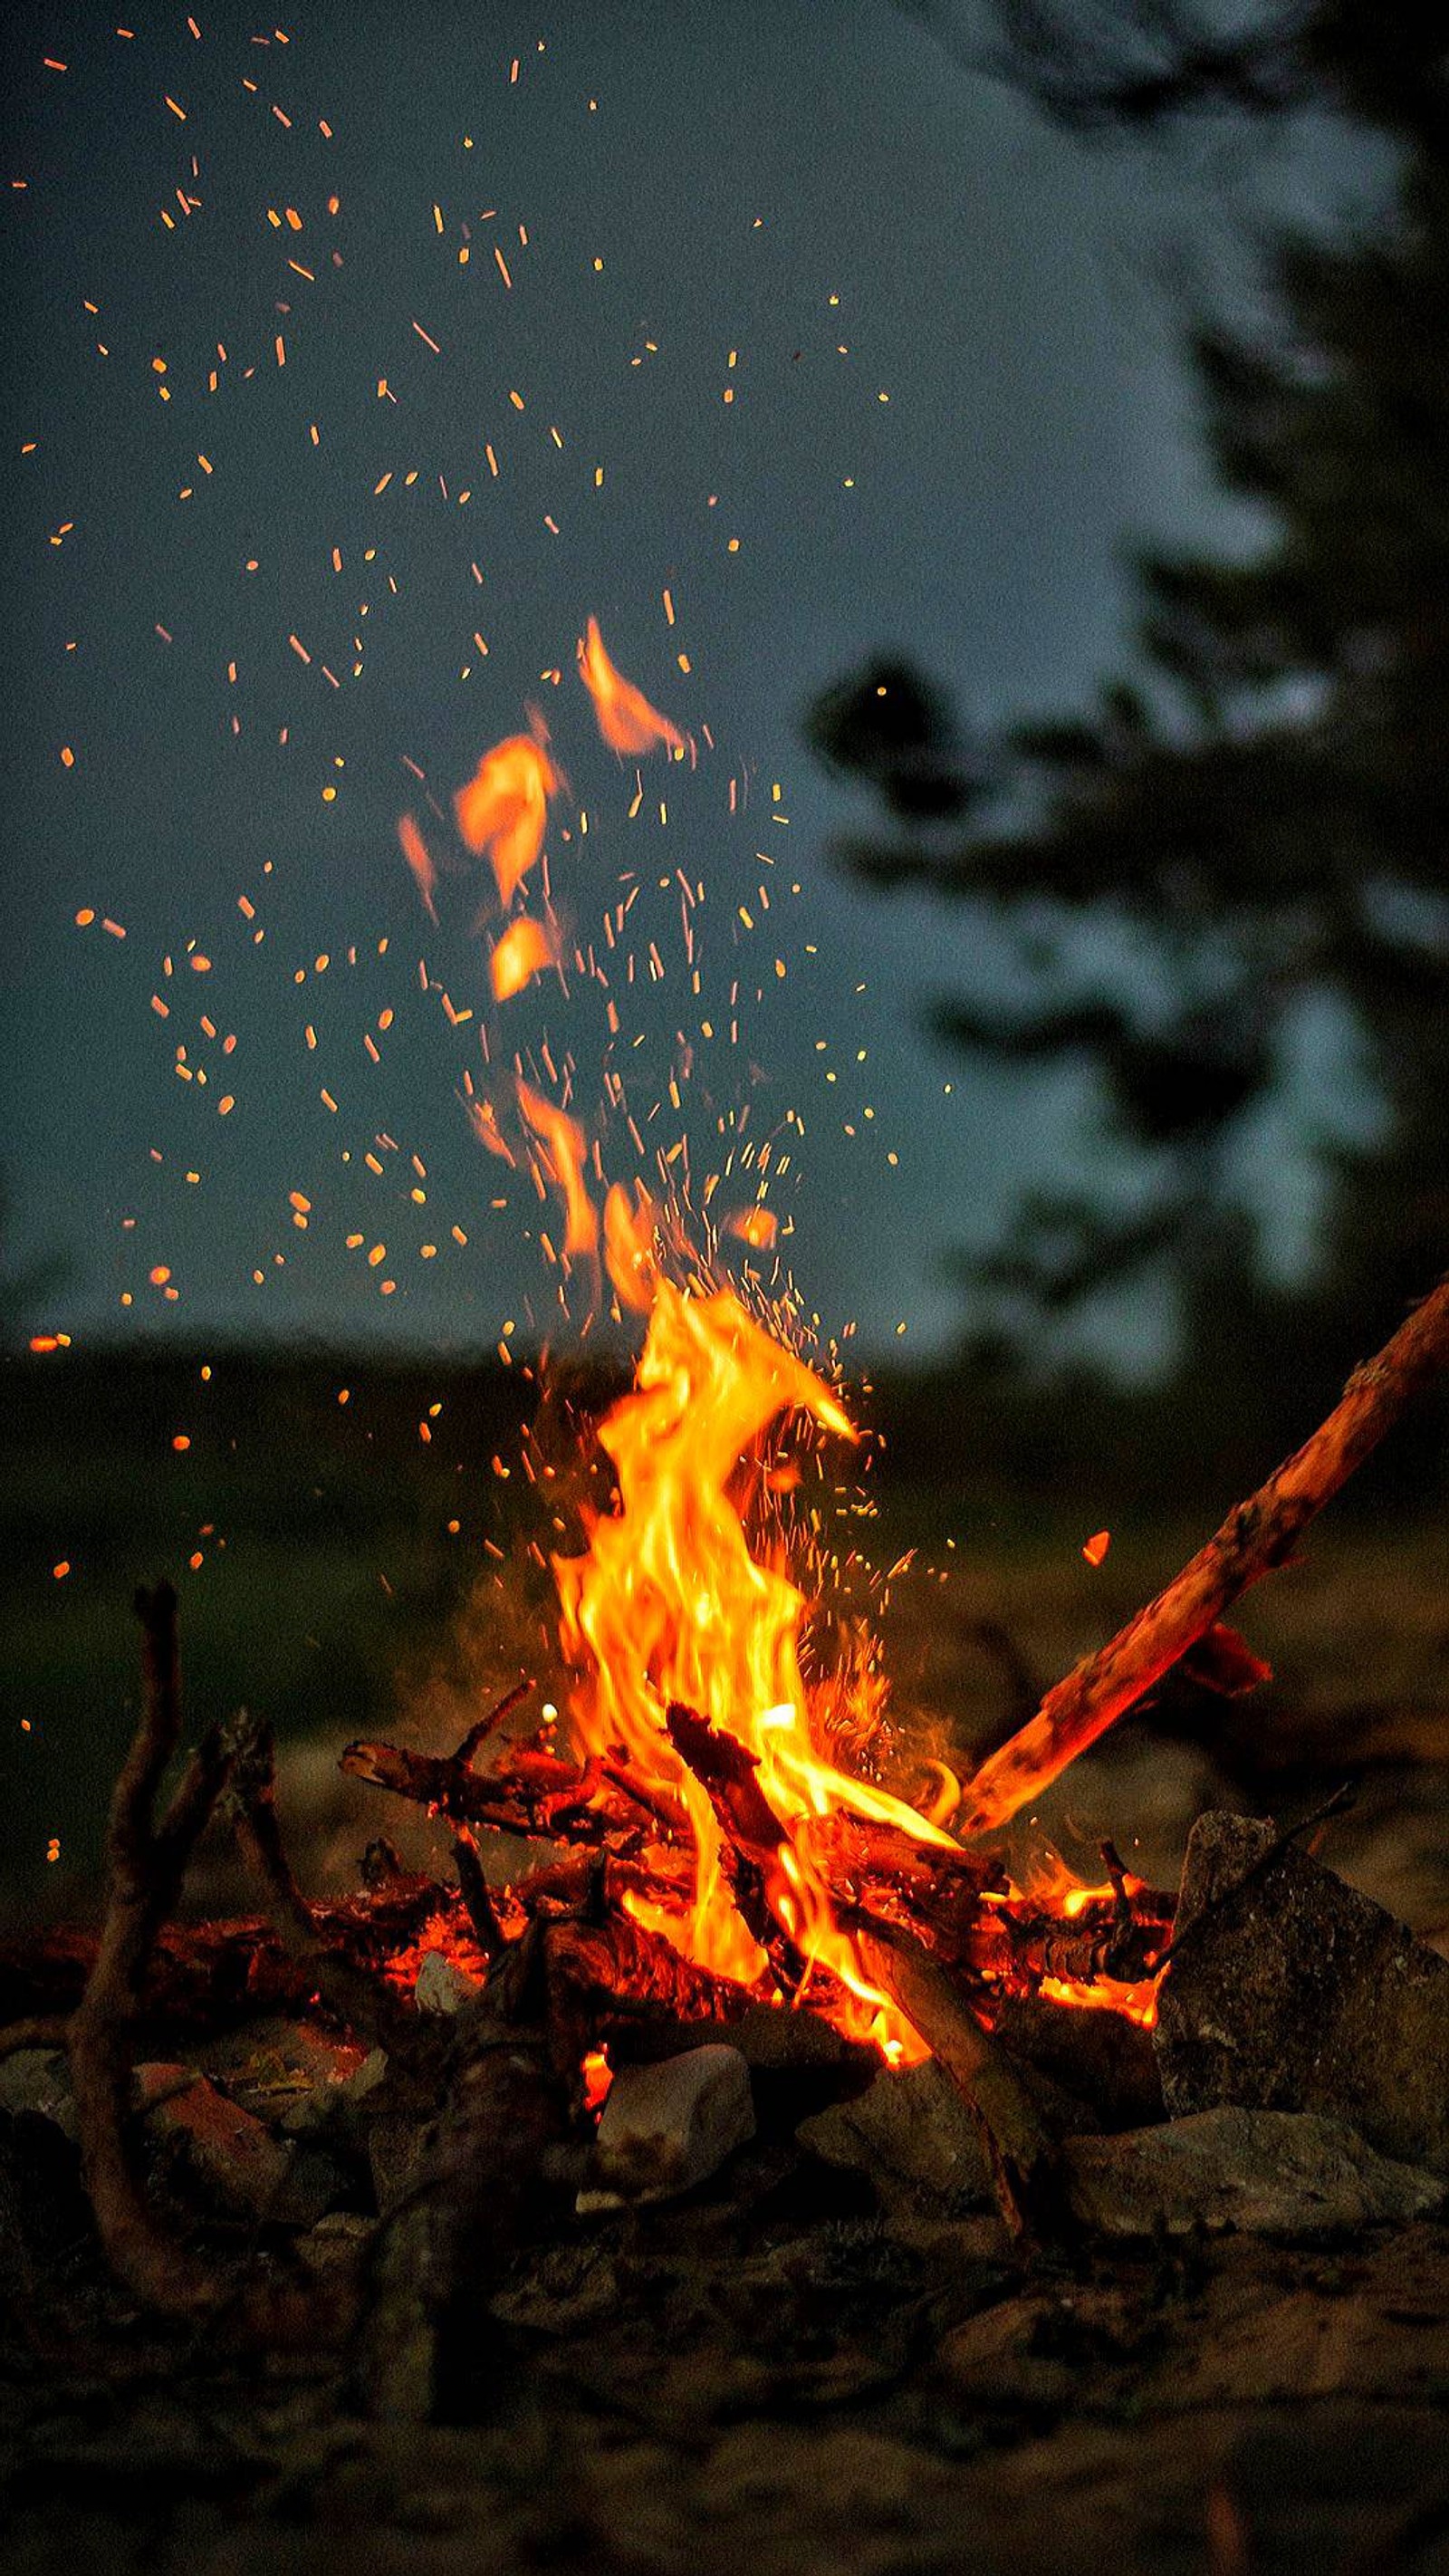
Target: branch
1256,1536
1024,2161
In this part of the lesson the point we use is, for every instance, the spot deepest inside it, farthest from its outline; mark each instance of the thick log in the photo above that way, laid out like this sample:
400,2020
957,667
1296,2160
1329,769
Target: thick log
1256,1536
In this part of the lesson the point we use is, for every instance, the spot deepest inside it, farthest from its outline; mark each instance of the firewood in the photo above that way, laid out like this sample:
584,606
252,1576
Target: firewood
535,1795
1256,1536
751,1832
1025,2160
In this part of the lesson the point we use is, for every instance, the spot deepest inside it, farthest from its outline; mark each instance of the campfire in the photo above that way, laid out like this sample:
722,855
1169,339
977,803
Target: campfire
717,1867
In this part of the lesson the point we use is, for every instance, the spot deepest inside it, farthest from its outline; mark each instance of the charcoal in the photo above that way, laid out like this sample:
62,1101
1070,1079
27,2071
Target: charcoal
1293,2175
666,2127
1291,1991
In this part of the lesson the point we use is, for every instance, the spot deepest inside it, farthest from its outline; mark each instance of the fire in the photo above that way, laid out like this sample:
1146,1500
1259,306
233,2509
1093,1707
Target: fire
626,719
503,810
524,950
563,1142
415,851
756,1226
629,1247
668,1604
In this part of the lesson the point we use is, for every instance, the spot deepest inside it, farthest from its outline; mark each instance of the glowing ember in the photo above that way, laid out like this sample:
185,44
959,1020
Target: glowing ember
626,719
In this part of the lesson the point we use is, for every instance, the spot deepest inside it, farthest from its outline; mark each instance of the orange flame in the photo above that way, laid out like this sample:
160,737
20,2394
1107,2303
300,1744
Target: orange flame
415,851
503,810
564,1148
756,1226
524,950
626,719
629,1247
668,1603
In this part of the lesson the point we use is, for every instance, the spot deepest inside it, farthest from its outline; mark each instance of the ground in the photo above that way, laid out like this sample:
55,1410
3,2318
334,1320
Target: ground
780,2375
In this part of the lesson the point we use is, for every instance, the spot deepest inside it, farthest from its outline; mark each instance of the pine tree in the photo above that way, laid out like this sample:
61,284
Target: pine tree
1265,816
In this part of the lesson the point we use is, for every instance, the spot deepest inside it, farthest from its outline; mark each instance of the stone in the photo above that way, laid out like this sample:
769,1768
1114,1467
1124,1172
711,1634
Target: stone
667,2127
1290,1990
211,2139
442,1986
1294,2175
38,2080
907,2130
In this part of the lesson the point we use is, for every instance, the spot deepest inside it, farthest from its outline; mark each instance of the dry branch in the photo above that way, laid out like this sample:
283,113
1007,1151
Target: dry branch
1256,1536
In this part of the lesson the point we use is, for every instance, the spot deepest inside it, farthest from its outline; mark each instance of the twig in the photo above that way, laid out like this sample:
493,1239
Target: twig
478,1898
536,1795
1023,2156
488,1725
1256,1536
361,2001
146,1862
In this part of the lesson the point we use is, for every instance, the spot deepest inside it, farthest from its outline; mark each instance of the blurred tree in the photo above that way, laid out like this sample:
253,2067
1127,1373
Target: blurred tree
1261,824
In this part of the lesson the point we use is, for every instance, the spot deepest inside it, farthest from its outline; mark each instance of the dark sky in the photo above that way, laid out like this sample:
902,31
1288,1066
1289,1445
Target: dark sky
771,180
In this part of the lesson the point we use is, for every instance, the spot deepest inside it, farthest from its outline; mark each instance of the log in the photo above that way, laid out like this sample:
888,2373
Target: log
1256,1536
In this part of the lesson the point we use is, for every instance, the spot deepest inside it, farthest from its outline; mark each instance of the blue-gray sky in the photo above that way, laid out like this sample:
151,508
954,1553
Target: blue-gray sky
691,182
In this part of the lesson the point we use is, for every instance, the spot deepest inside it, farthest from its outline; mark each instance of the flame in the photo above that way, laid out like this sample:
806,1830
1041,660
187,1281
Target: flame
415,851
564,1146
756,1226
626,719
524,950
668,1603
629,1247
503,810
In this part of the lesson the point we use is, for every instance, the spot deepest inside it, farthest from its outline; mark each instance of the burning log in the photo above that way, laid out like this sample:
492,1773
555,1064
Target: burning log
1256,1536
753,1834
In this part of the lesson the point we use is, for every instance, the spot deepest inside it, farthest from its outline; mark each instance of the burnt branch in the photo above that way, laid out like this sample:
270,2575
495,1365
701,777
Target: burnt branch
1257,1535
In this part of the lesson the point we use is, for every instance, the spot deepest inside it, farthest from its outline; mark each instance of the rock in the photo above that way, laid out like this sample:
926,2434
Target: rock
442,1986
340,2104
666,2127
1098,2058
1291,1991
1297,2176
271,2065
211,2139
909,2130
38,2080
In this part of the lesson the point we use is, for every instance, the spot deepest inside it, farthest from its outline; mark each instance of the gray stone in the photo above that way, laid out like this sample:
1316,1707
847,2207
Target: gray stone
442,1986
1294,2175
1291,1991
908,2130
666,2127
38,2080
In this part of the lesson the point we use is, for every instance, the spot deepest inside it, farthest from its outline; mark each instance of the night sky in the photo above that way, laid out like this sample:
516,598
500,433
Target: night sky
646,193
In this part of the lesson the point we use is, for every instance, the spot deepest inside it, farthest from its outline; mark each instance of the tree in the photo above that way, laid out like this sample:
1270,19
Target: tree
1263,814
